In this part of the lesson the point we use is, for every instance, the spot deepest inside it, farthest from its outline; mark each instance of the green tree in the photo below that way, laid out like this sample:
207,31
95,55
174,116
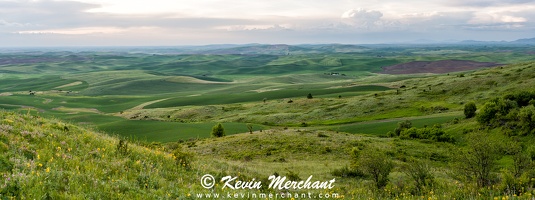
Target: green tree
309,96
218,130
478,159
376,164
470,110
526,120
495,110
402,126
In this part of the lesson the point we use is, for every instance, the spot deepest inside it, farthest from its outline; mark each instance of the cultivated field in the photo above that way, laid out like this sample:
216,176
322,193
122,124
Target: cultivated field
331,111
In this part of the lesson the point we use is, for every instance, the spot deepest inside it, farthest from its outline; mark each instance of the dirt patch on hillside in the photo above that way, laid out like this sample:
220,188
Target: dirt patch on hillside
436,67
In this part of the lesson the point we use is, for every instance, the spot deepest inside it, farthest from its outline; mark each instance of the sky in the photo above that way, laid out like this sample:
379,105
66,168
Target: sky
202,22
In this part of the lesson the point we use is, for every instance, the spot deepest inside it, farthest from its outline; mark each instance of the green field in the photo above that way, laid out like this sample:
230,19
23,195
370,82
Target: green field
136,123
160,88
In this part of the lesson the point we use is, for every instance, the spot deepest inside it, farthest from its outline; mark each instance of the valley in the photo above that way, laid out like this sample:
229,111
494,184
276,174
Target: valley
294,110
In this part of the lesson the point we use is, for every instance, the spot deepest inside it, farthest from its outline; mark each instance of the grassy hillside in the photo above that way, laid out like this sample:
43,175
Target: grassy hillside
434,99
48,159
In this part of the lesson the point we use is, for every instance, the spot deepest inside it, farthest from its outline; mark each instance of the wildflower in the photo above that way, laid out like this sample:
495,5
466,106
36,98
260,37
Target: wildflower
40,165
189,194
47,169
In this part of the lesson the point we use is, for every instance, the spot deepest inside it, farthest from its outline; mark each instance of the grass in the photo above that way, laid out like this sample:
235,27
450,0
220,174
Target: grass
380,128
43,157
51,159
158,131
211,99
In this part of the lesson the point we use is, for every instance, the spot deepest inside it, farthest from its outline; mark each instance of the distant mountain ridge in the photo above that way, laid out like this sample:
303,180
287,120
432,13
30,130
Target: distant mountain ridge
529,41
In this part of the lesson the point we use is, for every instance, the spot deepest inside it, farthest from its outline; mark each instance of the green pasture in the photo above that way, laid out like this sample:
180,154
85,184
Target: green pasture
106,104
381,127
168,131
237,97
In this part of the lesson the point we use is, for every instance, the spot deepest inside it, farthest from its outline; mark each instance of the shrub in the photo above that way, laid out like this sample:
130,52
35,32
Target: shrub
122,147
347,172
292,176
250,128
470,110
183,158
5,165
309,96
322,135
402,126
218,130
434,133
375,164
495,110
421,174
526,120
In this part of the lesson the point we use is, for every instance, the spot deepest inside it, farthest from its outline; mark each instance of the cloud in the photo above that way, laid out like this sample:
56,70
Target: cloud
242,21
492,18
362,18
4,23
46,13
487,3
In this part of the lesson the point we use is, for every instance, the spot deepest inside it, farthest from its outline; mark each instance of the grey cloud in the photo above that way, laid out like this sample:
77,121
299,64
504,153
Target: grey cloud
48,14
486,3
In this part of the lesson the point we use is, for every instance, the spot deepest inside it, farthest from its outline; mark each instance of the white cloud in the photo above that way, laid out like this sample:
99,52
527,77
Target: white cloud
111,22
11,24
362,14
492,18
362,18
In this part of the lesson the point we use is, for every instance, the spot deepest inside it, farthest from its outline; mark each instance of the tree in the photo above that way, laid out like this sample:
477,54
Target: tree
309,96
250,128
218,130
478,159
420,173
526,119
470,110
376,164
402,126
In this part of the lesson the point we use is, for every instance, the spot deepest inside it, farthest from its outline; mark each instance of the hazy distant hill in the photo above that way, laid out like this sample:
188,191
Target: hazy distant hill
519,41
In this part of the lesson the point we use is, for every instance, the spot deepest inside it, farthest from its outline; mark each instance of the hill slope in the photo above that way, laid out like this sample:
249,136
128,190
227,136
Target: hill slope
45,158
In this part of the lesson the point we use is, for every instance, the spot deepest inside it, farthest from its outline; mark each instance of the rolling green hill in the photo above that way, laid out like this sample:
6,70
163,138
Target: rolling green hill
164,106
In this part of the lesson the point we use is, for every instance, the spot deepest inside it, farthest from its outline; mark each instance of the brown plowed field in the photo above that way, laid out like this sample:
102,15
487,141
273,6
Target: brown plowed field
436,67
